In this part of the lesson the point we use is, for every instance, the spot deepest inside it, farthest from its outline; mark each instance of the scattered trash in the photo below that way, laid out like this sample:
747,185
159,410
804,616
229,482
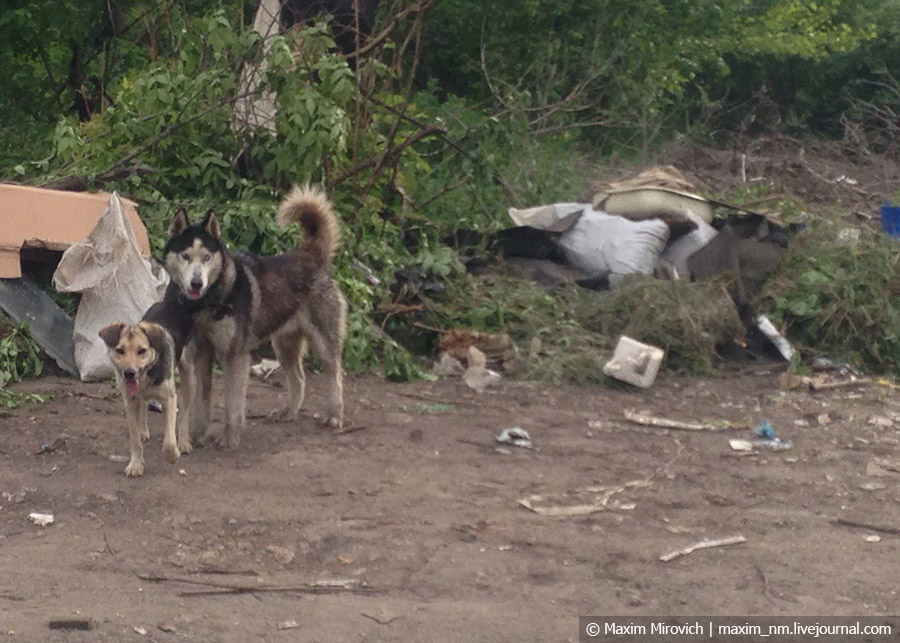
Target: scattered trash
477,376
118,458
873,486
265,368
768,329
678,425
881,421
71,624
894,531
872,538
40,519
557,217
371,279
448,366
791,381
497,348
281,554
703,544
140,630
381,616
516,437
56,445
741,445
579,502
155,407
634,362
346,560
288,625
182,472
166,627
116,282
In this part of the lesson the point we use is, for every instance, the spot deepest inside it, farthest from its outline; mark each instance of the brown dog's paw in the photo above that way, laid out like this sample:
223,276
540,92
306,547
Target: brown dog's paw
185,447
135,469
334,422
171,452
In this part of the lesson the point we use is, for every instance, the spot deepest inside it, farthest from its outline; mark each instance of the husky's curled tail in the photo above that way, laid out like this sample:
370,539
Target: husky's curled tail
308,206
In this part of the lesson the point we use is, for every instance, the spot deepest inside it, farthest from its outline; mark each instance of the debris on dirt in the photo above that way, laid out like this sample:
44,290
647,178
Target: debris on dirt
516,436
789,381
182,472
881,467
265,368
282,554
118,458
873,538
881,421
634,362
140,630
335,586
703,544
765,439
56,445
41,519
579,502
679,425
71,624
741,445
894,531
690,320
477,376
166,627
873,486
447,366
497,348
288,625
382,616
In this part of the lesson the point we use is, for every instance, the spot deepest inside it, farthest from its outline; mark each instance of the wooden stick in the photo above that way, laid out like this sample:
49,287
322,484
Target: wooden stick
703,544
894,531
665,423
295,589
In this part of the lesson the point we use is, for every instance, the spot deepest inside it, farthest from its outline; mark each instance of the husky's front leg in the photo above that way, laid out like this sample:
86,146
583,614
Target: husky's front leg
186,400
237,375
170,442
201,431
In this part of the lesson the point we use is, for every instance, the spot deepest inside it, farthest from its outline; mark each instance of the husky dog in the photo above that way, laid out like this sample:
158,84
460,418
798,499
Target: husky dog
239,301
144,356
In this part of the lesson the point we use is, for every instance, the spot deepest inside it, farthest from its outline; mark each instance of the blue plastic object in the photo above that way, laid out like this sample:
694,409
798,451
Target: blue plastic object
765,431
890,219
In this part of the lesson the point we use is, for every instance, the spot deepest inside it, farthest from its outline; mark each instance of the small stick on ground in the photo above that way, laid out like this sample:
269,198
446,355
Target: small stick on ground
703,544
219,570
894,531
109,547
679,425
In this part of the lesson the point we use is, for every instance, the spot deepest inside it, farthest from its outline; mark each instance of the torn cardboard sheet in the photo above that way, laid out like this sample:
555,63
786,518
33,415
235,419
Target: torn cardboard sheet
52,219
579,502
116,283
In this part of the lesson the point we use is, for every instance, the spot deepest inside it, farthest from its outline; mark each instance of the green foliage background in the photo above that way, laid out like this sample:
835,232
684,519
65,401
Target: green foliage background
526,98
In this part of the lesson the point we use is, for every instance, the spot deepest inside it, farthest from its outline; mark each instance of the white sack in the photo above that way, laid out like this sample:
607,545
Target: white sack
677,252
117,285
602,244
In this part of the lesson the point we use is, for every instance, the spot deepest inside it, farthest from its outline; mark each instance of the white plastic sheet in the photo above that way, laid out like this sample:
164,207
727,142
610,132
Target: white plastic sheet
117,285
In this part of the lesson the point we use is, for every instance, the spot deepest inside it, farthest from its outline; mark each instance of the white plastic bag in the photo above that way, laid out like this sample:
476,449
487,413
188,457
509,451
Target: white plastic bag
602,244
117,285
678,252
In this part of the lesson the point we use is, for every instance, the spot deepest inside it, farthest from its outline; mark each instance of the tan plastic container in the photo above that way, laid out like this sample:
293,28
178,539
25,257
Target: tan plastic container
634,362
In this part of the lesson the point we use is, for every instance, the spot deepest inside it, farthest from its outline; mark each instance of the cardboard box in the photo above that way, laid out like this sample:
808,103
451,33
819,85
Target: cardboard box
52,219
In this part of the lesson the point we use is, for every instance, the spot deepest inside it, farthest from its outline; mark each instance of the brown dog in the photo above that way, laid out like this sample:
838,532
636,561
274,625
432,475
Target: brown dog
144,356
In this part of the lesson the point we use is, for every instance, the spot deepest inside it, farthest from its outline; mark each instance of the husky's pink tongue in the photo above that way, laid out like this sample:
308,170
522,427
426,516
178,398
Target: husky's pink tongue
131,387
193,293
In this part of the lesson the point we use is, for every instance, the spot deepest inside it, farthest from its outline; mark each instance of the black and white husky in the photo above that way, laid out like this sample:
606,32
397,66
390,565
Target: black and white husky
239,301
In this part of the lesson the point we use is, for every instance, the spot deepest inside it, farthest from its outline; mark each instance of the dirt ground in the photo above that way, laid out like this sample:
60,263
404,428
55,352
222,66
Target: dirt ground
419,510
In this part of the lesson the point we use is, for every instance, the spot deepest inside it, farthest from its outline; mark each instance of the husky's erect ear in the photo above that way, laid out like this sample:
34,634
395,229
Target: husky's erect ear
179,224
111,334
211,224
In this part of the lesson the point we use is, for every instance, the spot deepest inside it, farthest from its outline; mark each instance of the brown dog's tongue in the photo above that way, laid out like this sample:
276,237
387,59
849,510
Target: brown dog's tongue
131,387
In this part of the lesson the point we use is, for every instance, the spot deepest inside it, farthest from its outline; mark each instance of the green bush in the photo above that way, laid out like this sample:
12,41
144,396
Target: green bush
839,297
